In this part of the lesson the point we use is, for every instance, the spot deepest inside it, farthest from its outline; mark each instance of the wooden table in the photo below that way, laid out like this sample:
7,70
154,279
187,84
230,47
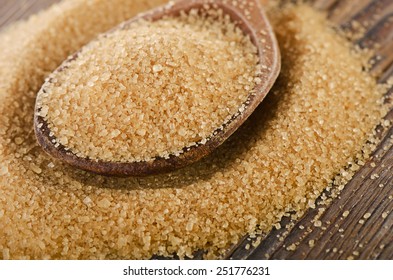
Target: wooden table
342,238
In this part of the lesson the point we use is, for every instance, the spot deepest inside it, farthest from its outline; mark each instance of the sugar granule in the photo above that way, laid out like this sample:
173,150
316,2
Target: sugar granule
151,89
312,123
367,215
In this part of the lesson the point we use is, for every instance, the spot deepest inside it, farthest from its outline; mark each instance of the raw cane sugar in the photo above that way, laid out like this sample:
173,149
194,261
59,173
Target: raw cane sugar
152,88
316,119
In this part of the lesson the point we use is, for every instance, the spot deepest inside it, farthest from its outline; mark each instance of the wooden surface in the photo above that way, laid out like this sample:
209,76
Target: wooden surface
339,237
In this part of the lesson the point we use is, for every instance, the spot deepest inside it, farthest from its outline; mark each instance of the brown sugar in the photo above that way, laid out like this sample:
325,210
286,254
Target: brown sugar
314,121
152,88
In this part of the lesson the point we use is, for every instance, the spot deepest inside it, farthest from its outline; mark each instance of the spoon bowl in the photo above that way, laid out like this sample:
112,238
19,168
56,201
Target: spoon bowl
251,19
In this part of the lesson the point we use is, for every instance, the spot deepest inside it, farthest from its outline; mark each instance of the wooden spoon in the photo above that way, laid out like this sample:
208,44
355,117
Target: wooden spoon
250,17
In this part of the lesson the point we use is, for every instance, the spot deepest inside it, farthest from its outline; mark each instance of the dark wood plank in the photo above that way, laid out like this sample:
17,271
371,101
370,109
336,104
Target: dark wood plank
338,237
12,10
324,4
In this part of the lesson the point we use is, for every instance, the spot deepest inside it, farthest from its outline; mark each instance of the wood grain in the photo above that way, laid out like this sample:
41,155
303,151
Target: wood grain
338,237
12,10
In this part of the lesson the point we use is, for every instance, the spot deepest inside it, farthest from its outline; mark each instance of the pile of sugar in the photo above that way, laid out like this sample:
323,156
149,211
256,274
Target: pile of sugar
152,88
311,125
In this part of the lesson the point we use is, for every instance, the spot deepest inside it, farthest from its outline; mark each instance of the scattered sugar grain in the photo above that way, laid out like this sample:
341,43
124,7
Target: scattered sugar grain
6,254
257,242
35,168
367,215
18,140
317,223
3,170
291,247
